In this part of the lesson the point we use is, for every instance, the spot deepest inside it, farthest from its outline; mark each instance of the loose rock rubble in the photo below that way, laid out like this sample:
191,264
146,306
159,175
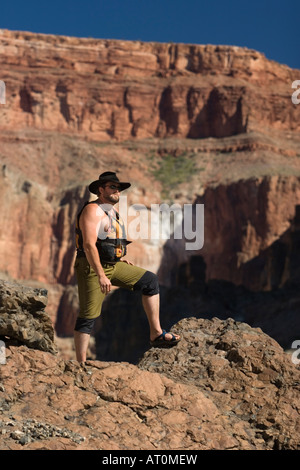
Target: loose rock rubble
31,430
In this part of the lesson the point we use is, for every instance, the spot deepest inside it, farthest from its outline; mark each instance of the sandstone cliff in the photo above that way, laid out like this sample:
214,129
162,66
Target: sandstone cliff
76,107
226,386
119,89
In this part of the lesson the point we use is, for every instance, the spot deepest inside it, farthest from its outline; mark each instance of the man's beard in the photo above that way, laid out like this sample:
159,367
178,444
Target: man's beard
113,198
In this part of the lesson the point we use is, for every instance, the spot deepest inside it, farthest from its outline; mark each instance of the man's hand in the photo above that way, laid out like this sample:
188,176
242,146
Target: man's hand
105,284
126,261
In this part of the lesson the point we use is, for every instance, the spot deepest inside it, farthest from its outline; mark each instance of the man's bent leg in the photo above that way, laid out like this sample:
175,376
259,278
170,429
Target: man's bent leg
151,307
149,286
135,278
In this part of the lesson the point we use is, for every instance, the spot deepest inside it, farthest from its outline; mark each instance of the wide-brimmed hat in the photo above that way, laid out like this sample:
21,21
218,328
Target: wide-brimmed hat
107,176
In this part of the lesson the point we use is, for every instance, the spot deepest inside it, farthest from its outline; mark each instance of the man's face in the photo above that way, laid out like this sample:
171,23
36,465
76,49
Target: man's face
111,193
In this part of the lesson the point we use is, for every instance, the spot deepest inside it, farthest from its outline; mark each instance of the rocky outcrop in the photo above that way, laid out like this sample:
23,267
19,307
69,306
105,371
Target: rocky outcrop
242,370
225,386
23,317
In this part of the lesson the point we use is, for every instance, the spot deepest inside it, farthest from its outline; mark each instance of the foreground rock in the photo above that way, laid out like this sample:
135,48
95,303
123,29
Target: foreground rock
226,386
23,316
244,372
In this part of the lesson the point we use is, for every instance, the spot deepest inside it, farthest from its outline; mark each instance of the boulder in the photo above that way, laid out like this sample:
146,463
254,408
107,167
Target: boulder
23,316
244,373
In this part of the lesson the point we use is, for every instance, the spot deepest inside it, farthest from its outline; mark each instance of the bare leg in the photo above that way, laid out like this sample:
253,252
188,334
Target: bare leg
81,341
151,307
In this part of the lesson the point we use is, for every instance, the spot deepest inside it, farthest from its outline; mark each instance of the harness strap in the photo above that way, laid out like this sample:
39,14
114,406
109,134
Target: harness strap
110,249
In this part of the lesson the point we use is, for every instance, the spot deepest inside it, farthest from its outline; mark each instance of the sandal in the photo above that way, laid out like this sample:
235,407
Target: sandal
162,342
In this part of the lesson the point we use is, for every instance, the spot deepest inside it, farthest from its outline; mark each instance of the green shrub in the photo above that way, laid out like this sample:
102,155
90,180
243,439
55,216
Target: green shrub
171,171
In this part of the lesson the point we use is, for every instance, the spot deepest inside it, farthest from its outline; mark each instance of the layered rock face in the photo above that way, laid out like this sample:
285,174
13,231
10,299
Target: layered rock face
243,220
117,89
77,107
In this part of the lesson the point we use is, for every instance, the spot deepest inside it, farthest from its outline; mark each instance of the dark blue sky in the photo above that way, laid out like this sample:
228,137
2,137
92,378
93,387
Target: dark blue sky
271,27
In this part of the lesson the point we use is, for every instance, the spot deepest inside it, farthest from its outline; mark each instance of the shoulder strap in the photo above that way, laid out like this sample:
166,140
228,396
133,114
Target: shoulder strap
78,234
119,225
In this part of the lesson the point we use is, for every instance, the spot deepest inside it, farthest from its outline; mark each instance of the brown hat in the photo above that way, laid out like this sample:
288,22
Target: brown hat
106,177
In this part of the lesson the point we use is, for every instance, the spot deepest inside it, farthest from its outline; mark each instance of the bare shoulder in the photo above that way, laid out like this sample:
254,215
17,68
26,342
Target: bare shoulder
92,212
90,209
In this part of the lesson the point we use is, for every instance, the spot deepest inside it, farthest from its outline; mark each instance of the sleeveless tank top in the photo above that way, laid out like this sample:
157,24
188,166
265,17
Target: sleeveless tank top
113,246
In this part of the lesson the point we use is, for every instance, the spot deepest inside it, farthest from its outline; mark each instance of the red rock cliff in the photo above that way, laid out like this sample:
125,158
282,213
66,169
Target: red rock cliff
76,107
121,89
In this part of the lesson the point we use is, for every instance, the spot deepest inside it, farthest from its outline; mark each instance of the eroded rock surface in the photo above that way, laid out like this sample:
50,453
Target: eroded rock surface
23,316
225,386
243,371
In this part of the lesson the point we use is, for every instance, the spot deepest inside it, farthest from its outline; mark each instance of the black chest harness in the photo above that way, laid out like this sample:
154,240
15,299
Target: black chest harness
110,249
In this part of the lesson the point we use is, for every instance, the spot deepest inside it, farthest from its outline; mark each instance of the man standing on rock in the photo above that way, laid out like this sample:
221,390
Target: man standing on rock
101,243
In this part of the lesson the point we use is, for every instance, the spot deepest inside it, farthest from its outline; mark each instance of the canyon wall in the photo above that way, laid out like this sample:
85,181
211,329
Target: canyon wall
121,89
242,220
77,107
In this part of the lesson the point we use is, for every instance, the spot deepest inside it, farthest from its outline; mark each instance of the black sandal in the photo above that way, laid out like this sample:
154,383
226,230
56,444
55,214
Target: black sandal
162,342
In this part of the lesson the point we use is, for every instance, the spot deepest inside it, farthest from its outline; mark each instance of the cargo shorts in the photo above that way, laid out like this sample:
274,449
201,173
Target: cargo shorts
90,295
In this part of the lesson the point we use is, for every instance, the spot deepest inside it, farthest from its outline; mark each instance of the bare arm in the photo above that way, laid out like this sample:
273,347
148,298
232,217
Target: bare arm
89,224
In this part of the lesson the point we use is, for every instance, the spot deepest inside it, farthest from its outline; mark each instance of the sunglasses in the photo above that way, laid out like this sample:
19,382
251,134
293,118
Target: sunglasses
113,186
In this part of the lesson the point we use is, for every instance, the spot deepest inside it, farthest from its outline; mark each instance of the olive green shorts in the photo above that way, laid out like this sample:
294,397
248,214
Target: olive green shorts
91,298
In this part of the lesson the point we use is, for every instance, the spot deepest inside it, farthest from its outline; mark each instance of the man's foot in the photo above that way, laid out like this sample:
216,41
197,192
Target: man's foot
165,340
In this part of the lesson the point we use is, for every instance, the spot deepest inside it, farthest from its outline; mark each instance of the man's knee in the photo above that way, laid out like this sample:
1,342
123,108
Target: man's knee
148,284
84,325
